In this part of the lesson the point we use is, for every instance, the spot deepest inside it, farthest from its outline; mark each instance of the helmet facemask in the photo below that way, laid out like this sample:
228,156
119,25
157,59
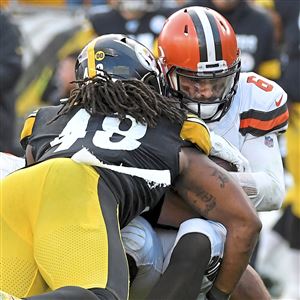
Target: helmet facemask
207,94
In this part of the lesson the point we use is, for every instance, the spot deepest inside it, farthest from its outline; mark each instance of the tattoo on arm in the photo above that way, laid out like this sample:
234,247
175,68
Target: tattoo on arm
207,198
222,178
197,198
204,196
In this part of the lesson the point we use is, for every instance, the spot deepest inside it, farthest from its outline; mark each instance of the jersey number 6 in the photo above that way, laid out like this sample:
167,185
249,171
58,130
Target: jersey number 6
260,83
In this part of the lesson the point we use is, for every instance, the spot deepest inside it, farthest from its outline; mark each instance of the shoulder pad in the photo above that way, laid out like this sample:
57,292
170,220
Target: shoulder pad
195,131
263,105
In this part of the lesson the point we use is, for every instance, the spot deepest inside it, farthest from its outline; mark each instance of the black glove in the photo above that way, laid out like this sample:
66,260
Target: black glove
216,294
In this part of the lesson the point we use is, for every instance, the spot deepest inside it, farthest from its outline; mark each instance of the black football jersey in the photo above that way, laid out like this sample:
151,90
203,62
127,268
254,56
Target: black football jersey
138,163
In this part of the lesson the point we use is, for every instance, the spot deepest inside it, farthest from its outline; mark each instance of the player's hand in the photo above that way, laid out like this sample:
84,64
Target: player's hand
225,150
5,296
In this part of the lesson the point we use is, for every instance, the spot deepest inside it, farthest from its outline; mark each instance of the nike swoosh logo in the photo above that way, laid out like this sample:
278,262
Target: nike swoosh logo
278,102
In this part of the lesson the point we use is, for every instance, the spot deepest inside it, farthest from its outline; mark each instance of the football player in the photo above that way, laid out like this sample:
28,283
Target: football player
98,160
201,65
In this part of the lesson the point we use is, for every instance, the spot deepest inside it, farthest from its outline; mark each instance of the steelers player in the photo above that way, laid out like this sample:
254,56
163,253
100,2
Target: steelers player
96,162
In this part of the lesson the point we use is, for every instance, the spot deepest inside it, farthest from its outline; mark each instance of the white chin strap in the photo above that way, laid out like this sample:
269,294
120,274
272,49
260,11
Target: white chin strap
207,110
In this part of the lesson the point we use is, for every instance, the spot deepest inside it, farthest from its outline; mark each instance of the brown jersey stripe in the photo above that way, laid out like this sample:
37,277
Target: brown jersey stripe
264,125
254,125
263,115
260,132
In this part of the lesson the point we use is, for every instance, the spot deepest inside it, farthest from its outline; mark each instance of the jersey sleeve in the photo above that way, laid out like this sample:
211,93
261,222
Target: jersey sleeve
264,107
194,130
27,129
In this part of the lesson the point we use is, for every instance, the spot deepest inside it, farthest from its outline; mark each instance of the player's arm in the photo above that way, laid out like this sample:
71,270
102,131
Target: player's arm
265,184
29,156
174,210
250,287
264,116
211,191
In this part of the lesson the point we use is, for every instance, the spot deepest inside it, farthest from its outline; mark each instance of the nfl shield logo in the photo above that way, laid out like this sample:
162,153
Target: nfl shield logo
269,141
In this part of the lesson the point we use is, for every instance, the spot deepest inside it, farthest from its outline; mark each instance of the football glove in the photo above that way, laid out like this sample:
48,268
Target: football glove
225,150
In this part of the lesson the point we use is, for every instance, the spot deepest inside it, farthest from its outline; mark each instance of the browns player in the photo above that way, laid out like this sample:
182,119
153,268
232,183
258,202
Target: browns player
248,110
201,66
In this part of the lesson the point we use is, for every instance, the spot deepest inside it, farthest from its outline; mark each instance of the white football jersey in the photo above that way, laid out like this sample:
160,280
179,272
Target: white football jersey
258,108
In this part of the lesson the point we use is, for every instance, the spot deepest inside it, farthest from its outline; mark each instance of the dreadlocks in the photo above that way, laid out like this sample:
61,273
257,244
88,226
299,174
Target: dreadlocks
101,94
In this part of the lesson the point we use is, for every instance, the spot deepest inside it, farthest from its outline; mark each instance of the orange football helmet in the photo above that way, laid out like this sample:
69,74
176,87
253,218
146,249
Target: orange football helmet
200,60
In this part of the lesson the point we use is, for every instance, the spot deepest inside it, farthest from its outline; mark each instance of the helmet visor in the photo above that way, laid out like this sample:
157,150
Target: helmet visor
205,90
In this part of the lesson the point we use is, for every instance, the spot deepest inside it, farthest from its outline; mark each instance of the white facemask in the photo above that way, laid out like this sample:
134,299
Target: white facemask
207,110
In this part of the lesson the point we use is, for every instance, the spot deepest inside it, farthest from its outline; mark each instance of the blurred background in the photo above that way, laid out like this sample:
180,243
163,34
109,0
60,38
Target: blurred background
39,43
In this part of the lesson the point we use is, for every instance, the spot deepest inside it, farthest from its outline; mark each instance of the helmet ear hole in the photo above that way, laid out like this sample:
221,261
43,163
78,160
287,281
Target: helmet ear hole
222,24
186,29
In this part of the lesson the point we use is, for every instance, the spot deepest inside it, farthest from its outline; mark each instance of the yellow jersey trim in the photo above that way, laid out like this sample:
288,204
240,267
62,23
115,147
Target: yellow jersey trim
28,126
195,131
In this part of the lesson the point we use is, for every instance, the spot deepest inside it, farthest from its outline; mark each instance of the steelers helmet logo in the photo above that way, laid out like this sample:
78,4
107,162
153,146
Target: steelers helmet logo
145,57
99,55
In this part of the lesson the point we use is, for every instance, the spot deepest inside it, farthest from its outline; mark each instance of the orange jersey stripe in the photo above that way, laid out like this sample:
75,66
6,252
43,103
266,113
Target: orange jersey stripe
264,125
